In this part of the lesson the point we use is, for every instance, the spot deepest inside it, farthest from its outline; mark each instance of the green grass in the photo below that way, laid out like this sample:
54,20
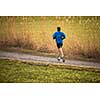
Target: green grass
19,71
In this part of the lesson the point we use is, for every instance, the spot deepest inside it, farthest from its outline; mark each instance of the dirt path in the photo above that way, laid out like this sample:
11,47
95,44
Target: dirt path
28,57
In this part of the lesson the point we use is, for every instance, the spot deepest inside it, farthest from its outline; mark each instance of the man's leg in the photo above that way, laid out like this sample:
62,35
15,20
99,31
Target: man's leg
61,53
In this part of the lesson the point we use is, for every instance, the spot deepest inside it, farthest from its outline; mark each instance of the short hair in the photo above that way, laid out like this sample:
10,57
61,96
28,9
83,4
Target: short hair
58,28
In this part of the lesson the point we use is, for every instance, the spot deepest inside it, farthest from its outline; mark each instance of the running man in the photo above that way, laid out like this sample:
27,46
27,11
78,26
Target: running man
59,36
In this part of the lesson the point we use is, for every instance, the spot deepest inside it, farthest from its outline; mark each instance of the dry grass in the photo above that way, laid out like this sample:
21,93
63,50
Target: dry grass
36,33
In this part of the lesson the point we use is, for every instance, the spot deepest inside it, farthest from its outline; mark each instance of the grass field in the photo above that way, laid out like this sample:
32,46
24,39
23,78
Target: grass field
83,34
12,71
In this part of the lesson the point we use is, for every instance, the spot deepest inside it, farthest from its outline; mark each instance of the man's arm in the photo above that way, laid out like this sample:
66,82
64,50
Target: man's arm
54,36
63,36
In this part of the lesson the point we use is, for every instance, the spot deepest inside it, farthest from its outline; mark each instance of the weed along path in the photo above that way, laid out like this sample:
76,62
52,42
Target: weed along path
29,57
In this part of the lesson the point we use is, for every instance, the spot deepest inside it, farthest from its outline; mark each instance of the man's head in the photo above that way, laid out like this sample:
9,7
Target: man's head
58,28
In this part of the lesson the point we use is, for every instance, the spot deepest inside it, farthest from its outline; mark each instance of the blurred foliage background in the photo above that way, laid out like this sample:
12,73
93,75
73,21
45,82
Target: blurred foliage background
35,33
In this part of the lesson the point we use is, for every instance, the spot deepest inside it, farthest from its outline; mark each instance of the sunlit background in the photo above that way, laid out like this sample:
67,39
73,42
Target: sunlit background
35,33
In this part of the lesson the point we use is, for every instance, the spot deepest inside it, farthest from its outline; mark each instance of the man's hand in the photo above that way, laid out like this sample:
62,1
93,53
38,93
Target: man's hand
63,37
54,37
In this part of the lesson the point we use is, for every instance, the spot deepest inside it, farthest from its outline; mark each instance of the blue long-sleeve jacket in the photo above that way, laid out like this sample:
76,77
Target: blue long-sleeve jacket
59,36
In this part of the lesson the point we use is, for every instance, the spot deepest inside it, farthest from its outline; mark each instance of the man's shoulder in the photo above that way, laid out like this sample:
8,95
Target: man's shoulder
59,32
62,32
